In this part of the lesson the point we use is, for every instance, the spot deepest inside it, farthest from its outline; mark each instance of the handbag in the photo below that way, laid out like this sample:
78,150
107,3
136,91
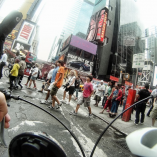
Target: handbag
68,83
46,86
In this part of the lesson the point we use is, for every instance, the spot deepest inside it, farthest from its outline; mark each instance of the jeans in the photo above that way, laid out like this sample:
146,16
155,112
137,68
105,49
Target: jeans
104,101
148,114
140,109
2,64
114,106
77,90
19,79
12,78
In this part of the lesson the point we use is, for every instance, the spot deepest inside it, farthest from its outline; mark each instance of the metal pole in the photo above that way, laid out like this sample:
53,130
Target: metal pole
136,77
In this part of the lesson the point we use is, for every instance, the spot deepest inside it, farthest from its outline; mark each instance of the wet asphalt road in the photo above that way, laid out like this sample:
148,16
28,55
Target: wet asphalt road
25,117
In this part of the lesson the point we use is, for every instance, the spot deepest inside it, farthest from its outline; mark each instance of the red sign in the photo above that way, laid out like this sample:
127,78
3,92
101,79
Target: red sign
114,78
128,83
100,24
103,28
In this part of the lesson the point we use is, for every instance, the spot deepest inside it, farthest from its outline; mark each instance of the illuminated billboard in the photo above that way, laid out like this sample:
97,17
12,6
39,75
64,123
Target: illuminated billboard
97,26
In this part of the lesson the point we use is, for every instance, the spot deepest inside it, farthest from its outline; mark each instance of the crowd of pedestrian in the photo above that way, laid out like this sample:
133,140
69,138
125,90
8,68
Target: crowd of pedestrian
112,96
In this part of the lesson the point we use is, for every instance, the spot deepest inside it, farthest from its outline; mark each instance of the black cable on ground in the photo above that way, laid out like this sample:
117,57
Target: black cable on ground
98,140
18,98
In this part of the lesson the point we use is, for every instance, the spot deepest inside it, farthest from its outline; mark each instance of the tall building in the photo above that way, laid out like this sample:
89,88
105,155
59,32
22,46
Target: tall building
71,20
151,44
125,53
78,18
107,33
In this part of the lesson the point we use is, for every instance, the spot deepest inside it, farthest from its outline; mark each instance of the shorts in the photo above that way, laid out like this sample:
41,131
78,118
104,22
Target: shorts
153,114
33,78
48,80
71,90
50,86
97,98
84,100
54,90
29,77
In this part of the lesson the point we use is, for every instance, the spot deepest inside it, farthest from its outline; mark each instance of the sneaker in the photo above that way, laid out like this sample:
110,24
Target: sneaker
35,88
50,107
63,101
90,114
73,113
49,101
141,123
60,104
68,103
44,102
58,107
135,123
40,91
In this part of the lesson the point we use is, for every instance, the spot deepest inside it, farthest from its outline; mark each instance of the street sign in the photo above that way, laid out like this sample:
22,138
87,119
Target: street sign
138,60
129,41
123,64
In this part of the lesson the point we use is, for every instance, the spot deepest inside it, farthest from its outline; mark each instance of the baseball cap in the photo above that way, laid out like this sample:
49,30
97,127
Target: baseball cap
102,81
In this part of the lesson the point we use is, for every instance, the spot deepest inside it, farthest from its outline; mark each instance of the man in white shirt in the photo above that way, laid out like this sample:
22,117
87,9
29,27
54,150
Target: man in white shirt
48,78
3,62
99,92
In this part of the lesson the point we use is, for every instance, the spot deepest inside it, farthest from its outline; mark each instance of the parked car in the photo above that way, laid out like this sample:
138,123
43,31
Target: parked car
79,65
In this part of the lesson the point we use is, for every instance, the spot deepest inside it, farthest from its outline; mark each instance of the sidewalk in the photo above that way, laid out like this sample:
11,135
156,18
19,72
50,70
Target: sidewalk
126,127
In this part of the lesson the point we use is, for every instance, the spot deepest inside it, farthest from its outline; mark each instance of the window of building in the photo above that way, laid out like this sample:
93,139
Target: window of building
108,22
110,8
106,40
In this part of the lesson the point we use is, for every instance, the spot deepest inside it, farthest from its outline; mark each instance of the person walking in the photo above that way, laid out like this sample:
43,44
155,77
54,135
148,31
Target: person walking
48,79
99,93
153,114
77,86
125,98
30,73
57,84
105,95
86,96
52,80
140,108
108,103
22,64
70,87
117,96
14,73
3,62
154,92
34,76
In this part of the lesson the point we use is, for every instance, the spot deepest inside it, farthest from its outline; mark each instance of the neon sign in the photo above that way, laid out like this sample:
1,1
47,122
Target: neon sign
103,28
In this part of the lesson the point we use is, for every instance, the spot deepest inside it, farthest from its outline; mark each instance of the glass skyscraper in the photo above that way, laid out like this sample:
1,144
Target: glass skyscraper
78,18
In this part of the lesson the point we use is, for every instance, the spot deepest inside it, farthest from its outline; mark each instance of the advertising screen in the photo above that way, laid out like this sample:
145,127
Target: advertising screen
97,26
79,60
18,45
155,76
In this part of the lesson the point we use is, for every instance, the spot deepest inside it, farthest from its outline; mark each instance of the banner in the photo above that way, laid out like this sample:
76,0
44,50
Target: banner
138,60
26,32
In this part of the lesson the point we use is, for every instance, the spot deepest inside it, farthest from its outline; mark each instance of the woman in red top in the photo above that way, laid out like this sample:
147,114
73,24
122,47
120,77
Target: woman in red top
109,98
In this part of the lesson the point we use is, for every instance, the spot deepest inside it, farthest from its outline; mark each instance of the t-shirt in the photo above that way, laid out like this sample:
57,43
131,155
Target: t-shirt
144,93
50,74
109,91
4,58
71,80
100,93
60,71
54,74
106,91
88,88
35,70
22,67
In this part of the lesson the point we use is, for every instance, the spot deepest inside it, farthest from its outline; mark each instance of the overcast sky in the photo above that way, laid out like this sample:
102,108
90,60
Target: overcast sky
55,12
